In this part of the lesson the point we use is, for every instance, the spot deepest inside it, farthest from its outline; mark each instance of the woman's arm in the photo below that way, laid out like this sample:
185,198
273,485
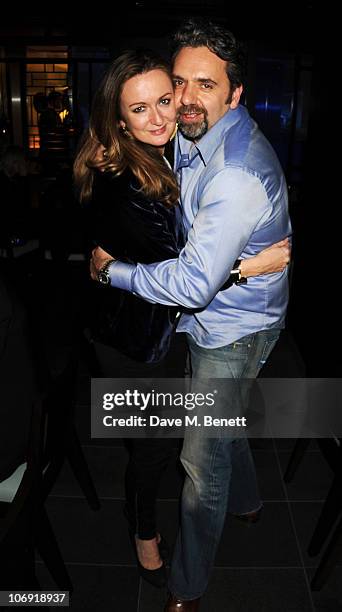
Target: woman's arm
273,259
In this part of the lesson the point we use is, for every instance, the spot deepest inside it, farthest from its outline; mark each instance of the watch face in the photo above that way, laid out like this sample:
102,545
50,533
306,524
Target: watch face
103,278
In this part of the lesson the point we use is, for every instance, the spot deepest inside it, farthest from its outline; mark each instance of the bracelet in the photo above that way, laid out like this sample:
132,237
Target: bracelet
106,263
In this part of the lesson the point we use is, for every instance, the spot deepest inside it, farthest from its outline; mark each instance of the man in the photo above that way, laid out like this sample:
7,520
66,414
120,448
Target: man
234,201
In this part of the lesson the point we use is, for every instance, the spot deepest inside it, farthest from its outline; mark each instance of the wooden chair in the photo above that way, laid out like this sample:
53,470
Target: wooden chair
24,523
331,511
332,556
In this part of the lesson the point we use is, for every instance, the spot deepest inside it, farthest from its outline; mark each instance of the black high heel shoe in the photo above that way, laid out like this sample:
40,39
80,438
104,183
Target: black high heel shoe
156,577
164,549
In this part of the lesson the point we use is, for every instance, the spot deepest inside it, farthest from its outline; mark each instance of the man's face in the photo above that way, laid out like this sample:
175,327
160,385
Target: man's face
202,90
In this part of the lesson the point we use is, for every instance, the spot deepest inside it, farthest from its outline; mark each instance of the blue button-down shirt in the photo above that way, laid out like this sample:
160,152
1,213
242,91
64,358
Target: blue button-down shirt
234,204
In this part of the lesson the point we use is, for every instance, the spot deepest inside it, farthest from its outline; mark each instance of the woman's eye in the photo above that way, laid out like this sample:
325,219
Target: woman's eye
138,109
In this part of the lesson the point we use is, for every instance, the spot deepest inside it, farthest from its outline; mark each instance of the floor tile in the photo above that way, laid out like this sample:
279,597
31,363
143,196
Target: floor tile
98,588
151,599
312,479
269,543
267,470
248,590
287,445
85,536
90,537
329,598
261,444
305,515
262,590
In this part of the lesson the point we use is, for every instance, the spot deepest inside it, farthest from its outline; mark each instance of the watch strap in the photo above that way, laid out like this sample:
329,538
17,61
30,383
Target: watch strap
235,274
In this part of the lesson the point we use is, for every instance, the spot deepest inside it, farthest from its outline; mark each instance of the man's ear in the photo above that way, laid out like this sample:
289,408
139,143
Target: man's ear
236,97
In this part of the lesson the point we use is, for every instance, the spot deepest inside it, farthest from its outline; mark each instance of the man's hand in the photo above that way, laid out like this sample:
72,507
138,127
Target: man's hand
98,259
273,259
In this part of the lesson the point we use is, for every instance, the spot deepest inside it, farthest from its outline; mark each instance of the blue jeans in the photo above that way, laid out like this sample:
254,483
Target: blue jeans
220,472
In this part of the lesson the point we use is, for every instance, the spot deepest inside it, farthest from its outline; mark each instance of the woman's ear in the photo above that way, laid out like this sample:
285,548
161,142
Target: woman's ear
122,124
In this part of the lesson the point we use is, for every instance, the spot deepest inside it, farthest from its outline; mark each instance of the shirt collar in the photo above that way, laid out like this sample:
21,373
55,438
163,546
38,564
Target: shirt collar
208,144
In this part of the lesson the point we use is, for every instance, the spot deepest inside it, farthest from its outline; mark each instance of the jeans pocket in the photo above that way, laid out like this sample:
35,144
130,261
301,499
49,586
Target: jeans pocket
267,349
242,345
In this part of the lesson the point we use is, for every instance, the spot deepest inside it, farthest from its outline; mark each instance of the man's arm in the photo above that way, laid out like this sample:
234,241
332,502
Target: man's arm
232,205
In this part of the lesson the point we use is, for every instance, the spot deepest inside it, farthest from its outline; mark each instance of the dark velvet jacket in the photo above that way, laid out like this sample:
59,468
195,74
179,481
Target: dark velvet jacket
134,229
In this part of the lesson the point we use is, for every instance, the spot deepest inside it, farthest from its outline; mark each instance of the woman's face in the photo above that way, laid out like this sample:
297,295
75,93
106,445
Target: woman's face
148,108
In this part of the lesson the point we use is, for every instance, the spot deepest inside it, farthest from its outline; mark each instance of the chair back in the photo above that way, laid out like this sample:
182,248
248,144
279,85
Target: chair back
31,483
19,501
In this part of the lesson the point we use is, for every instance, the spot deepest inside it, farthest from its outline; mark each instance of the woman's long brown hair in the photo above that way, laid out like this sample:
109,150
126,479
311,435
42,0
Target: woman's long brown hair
106,146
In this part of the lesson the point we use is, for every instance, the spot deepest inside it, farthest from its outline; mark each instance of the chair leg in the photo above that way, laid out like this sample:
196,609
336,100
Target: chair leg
331,557
80,468
296,457
330,511
48,549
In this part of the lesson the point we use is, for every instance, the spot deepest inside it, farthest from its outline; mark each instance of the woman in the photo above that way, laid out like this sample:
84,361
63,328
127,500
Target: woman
122,170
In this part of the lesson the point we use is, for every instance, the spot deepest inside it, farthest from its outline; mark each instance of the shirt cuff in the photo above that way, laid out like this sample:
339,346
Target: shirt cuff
120,275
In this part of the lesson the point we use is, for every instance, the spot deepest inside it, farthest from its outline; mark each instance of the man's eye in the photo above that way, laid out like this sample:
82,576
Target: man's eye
206,86
138,109
177,82
165,101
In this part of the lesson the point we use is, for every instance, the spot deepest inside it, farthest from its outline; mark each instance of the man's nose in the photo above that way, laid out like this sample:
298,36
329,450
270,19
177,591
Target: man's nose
188,95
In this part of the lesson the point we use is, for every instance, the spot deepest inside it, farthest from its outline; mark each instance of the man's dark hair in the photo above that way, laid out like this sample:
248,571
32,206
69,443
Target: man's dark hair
202,33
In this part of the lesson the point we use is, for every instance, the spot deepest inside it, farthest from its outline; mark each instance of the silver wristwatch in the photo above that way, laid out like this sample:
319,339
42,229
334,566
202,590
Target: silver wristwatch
103,275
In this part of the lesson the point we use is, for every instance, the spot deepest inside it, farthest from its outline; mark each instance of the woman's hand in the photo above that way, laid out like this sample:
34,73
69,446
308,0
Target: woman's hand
98,259
100,157
273,259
